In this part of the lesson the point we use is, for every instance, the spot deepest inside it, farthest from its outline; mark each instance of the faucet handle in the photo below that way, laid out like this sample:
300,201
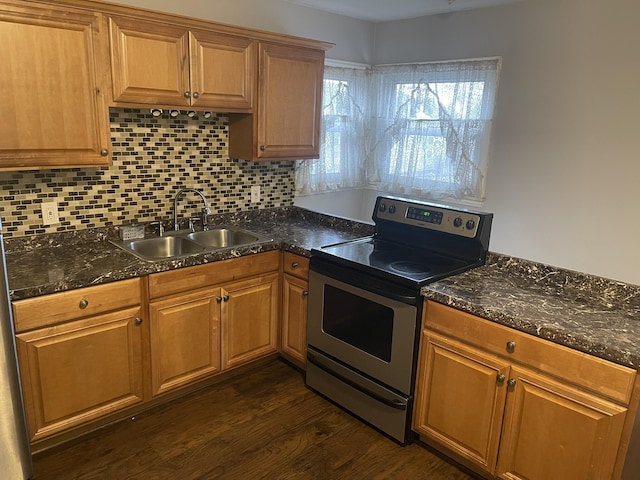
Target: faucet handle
192,221
160,227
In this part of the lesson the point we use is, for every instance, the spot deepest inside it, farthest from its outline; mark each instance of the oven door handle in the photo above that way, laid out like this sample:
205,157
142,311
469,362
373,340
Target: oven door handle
391,402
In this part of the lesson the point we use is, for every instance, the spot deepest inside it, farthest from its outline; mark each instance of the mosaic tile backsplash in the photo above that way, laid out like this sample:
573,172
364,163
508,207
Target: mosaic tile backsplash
153,157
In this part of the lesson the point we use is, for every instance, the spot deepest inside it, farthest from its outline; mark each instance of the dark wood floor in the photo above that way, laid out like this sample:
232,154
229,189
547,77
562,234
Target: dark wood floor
264,425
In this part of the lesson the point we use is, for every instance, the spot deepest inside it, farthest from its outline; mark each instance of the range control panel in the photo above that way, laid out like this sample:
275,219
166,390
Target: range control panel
430,216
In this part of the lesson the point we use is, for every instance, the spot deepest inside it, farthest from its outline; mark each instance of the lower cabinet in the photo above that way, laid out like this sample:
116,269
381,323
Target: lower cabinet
249,320
514,406
211,318
82,370
185,339
88,354
295,292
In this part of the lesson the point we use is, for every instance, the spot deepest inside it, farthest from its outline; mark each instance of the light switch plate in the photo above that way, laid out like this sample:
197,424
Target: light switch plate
50,213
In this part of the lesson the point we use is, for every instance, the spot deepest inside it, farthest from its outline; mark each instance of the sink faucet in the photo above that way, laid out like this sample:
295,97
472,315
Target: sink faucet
205,210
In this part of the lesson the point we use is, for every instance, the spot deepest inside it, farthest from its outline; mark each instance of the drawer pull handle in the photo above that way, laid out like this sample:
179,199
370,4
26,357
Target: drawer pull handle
84,303
511,346
138,321
500,379
294,264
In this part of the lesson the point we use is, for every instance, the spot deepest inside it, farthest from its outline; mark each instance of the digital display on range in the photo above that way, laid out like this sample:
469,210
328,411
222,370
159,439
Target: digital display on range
424,215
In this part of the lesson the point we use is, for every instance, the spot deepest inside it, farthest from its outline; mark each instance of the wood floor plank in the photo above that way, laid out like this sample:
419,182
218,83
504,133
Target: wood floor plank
263,425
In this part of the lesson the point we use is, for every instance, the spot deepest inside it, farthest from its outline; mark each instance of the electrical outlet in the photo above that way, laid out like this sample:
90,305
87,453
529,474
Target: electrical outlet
255,194
50,213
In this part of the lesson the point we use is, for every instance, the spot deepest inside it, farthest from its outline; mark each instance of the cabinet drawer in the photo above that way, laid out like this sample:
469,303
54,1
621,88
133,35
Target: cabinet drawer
592,373
74,304
296,265
191,278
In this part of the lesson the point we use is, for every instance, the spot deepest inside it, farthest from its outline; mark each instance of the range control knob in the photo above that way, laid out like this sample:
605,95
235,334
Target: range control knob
470,224
457,222
392,209
382,207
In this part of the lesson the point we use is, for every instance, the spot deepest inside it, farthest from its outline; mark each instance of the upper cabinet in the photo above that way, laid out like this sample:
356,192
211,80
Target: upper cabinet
161,64
65,62
53,112
286,121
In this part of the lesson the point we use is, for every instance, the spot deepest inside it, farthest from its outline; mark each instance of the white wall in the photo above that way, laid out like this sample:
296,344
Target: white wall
353,38
565,160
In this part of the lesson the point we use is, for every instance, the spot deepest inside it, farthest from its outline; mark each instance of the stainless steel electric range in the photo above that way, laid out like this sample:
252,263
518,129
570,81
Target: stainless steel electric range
365,305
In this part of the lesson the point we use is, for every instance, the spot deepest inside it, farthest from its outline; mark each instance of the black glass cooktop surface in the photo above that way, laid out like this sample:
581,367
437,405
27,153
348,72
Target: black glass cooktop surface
394,260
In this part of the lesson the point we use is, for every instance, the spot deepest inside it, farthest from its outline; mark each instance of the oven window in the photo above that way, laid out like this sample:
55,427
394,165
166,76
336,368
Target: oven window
366,325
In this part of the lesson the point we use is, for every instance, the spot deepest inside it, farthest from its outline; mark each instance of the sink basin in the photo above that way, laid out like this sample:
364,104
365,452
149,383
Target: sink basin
161,248
222,237
182,243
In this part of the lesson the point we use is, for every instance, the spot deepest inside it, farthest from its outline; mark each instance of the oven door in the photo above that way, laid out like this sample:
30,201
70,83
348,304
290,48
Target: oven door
364,330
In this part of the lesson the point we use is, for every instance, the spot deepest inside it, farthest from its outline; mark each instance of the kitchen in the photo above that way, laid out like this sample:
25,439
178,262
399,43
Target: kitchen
541,163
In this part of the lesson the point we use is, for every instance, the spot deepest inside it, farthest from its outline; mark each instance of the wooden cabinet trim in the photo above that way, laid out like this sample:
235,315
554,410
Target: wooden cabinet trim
296,265
581,432
450,367
75,91
60,307
294,318
191,278
583,370
123,31
188,22
60,403
245,342
175,364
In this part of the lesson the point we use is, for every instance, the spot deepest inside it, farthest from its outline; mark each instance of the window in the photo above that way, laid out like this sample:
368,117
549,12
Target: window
433,123
342,159
419,130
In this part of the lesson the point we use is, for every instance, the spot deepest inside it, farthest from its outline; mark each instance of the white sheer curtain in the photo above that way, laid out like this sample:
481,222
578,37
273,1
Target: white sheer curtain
419,130
433,123
343,135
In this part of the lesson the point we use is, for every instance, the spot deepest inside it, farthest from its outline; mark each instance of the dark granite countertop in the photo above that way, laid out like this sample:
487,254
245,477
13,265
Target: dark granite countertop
55,263
588,313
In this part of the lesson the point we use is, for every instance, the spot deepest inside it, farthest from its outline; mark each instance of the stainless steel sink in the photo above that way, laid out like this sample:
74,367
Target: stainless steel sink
182,243
162,248
222,237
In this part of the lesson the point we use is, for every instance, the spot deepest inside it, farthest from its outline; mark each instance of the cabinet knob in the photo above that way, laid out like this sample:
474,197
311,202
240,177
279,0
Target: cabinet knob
225,298
500,379
511,346
187,94
84,303
262,148
196,95
138,321
305,293
511,383
219,299
294,264
104,152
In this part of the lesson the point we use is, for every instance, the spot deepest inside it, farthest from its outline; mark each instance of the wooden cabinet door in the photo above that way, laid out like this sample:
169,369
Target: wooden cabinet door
249,319
290,102
185,339
149,62
552,431
460,398
80,371
53,111
294,318
222,71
